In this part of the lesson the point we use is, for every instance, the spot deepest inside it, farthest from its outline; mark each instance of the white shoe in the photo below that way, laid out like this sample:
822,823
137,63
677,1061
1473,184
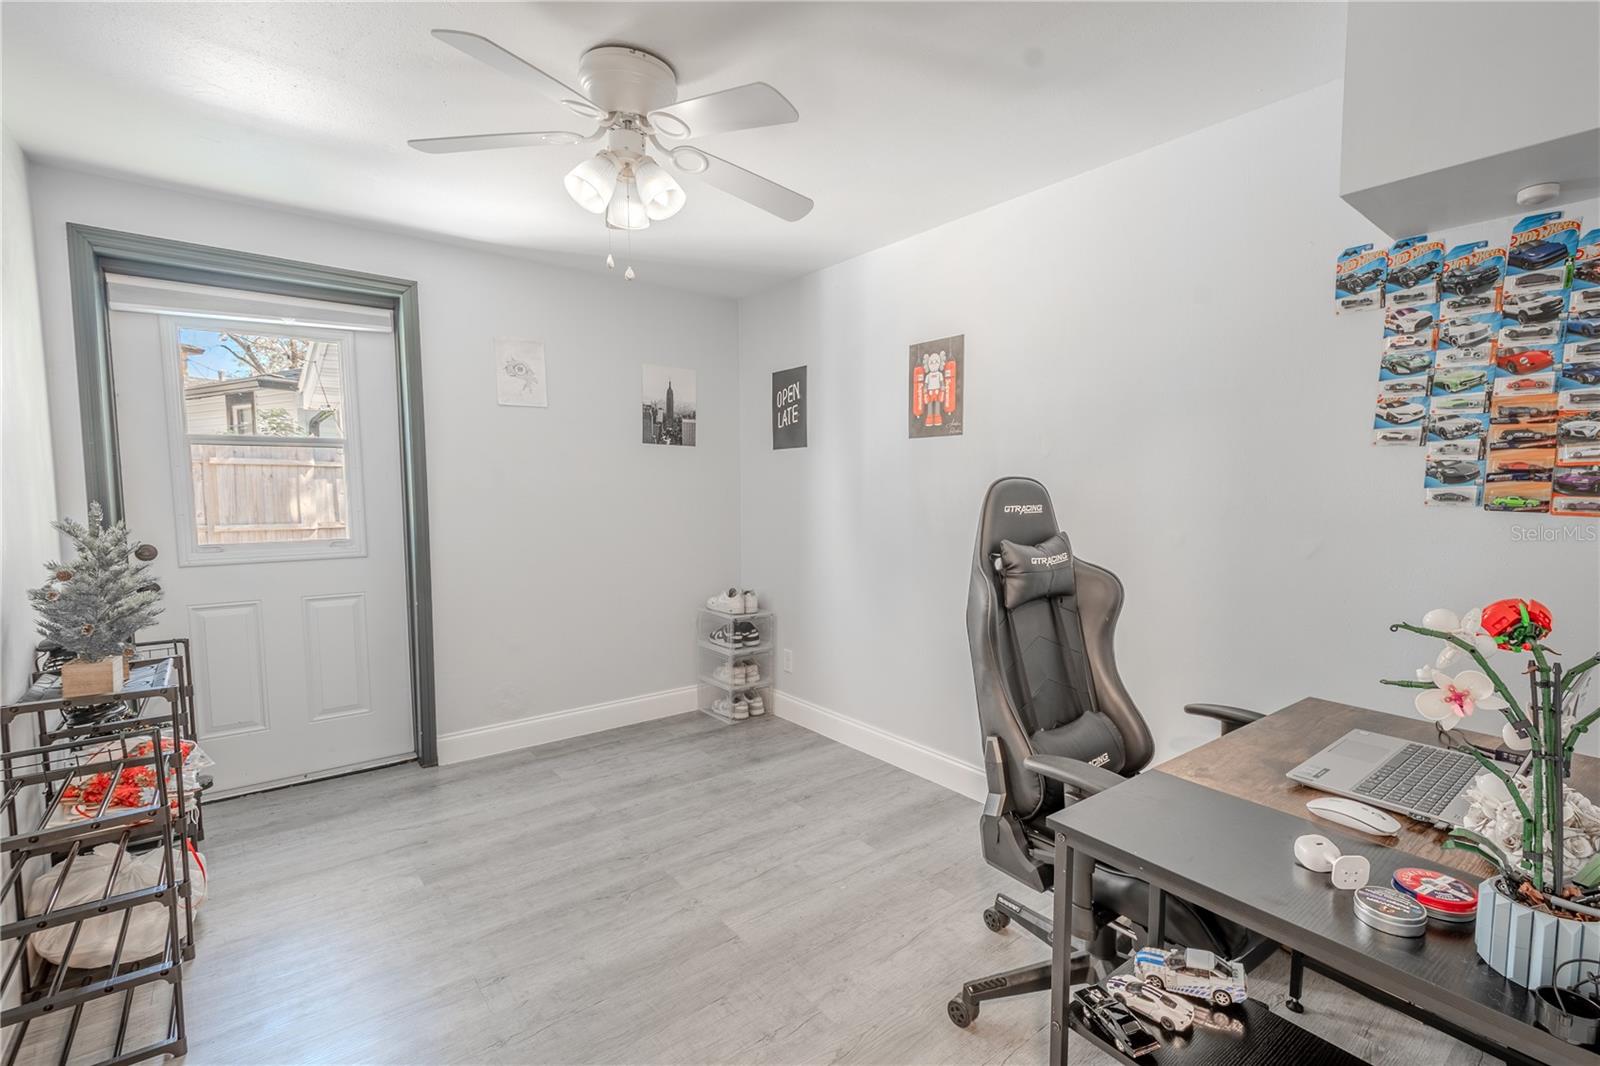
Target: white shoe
742,673
752,672
730,602
757,707
728,674
750,601
741,709
723,707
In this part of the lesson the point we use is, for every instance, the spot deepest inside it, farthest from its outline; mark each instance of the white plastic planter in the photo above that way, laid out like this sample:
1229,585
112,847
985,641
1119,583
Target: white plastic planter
1527,945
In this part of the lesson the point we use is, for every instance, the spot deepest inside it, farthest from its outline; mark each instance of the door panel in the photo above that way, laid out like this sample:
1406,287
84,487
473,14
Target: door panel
291,584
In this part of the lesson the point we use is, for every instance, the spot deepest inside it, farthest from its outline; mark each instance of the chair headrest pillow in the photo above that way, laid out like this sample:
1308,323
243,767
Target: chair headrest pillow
1034,571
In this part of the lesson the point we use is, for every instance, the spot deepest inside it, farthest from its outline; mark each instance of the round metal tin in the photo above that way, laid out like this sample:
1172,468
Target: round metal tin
1441,895
1390,911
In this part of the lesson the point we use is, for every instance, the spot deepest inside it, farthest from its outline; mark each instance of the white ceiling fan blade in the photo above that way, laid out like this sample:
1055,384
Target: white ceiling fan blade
745,108
486,51
479,141
737,181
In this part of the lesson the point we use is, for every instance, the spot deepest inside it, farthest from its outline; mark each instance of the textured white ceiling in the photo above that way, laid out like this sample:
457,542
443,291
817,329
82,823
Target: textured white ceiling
910,114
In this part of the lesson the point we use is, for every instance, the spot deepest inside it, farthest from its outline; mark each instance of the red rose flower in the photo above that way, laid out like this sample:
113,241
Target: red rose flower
1517,623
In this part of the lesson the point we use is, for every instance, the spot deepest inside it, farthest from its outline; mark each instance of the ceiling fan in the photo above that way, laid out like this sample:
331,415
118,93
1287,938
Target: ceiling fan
633,97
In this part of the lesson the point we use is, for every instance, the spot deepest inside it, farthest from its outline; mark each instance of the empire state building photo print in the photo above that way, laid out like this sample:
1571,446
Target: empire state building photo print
668,408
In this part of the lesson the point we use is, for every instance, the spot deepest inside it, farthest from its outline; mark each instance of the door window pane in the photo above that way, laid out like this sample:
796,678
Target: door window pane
264,425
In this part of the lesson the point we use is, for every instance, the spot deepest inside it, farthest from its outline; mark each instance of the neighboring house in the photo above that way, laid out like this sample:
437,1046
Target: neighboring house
285,403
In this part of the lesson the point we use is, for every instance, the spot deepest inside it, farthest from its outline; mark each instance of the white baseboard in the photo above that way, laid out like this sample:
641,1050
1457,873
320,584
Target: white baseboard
561,725
963,777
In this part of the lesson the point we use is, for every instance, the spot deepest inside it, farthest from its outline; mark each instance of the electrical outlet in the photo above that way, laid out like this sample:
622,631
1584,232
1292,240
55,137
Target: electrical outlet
788,661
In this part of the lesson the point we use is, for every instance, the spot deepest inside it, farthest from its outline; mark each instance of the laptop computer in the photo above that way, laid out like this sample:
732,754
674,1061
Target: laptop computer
1422,781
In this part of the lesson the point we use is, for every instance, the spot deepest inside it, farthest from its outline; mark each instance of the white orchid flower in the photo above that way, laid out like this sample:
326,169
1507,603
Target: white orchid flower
1454,698
1468,626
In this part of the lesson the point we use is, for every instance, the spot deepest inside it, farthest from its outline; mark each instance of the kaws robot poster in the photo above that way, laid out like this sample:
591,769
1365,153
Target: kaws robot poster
938,387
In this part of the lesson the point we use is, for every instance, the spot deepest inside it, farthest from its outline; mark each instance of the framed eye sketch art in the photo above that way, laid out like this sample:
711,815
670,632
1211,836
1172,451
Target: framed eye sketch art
519,373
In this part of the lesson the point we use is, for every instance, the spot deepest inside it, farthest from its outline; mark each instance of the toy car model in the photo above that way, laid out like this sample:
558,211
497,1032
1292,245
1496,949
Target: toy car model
1469,278
1356,301
1583,429
1358,281
1450,448
1588,270
1577,505
1535,255
1592,348
1412,296
1464,303
1585,323
1460,332
1405,362
1529,333
1450,497
1528,281
1525,385
1408,277
1399,412
1528,307
1452,471
1579,482
1397,436
1520,470
1517,413
1478,353
1584,399
1407,320
1460,380
1524,360
1192,972
1515,503
1523,438
1407,342
1096,1011
1169,1012
1404,386
1453,427
1583,375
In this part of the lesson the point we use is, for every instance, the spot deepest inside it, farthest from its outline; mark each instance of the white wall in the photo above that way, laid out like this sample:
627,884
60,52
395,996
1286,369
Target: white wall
566,554
27,491
1155,341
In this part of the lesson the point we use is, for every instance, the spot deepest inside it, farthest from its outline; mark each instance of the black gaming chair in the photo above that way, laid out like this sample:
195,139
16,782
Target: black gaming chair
1059,726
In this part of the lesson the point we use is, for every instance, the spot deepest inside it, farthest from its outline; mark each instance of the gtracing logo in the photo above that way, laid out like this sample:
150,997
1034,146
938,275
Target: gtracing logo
1024,508
1050,560
1101,759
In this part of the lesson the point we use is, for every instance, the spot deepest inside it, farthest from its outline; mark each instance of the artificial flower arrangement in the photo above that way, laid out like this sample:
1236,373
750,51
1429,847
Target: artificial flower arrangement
1541,836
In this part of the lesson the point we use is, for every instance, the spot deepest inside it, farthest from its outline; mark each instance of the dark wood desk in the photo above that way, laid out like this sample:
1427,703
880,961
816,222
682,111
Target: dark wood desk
1216,827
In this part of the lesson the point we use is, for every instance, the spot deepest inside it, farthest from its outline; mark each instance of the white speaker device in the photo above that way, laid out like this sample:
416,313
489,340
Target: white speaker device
1320,855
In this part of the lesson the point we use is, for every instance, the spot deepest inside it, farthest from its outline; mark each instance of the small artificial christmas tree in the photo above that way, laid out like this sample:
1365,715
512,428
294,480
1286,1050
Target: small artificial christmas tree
94,606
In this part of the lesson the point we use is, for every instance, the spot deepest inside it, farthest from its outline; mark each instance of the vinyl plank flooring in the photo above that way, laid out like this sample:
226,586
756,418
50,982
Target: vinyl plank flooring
680,891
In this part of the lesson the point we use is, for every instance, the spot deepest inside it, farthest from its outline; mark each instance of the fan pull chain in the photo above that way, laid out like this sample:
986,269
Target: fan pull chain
628,274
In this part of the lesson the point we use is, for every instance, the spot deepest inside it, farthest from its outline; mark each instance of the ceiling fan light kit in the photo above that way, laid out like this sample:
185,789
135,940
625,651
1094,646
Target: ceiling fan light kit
633,96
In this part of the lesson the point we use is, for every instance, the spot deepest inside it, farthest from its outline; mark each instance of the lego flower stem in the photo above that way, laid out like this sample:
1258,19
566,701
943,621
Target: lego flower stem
1515,713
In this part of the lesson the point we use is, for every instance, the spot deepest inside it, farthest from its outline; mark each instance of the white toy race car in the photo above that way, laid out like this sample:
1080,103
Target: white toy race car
1169,1012
1192,972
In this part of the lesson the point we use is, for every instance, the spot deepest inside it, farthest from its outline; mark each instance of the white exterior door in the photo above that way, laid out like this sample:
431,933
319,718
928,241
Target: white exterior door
260,455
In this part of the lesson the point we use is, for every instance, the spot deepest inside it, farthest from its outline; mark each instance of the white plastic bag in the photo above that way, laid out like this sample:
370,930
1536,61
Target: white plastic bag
86,883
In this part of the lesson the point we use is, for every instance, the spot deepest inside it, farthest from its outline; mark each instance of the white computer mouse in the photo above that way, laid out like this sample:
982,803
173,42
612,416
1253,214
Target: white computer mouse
1353,814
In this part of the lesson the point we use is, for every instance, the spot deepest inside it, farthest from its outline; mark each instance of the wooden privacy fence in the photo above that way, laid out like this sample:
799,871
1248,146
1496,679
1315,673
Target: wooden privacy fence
249,493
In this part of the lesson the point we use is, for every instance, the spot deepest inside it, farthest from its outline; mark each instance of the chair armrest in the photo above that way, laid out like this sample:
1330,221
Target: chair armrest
1230,717
1081,777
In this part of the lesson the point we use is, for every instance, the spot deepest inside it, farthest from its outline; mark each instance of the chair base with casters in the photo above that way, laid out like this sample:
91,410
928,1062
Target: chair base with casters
1059,726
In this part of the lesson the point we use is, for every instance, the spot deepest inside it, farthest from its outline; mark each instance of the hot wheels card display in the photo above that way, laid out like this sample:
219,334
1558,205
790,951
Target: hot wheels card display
1586,262
1453,473
1410,335
1471,278
1413,278
1541,244
1358,276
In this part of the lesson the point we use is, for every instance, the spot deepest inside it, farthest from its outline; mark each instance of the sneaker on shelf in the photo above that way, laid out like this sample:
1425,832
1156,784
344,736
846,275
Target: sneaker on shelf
752,672
749,598
728,674
730,602
741,673
746,634
723,707
726,636
741,708
757,706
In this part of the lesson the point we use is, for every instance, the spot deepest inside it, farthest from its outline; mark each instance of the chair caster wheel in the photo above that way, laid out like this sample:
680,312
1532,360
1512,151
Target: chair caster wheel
995,920
962,1012
1294,1006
